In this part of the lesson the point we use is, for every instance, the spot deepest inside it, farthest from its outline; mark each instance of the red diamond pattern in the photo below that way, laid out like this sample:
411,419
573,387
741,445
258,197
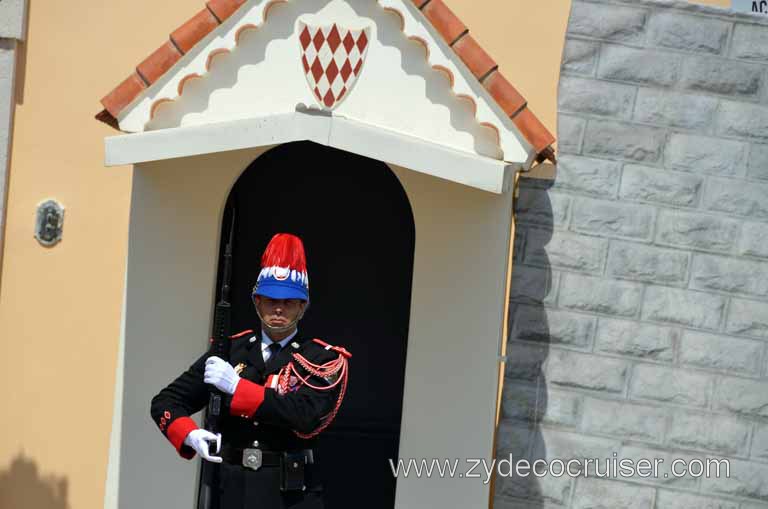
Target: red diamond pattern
317,69
305,38
334,39
332,71
328,82
329,99
318,40
349,42
346,70
362,42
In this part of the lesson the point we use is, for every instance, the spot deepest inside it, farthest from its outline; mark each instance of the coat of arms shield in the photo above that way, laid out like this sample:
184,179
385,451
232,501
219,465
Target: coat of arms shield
332,57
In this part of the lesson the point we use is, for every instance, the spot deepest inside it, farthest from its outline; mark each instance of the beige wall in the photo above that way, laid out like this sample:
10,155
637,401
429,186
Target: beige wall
60,307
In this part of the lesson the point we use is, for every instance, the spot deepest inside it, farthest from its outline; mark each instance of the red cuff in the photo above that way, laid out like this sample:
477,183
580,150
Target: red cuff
271,382
247,399
178,431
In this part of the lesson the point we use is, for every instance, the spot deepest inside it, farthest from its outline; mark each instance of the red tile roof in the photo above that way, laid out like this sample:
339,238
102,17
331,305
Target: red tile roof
447,24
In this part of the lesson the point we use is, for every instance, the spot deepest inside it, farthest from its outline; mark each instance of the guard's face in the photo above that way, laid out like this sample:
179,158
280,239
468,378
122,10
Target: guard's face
279,312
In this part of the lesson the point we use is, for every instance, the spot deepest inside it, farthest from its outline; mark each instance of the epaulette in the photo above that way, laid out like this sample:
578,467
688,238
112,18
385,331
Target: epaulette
241,334
334,372
338,349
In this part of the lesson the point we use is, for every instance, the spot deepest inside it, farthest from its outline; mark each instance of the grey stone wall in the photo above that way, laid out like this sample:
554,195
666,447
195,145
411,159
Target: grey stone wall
13,14
13,19
7,104
639,313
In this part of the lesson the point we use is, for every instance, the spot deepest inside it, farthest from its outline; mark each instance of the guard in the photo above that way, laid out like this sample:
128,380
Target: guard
280,390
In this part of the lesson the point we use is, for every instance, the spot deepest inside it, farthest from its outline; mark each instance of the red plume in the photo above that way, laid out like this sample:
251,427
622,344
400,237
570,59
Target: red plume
285,250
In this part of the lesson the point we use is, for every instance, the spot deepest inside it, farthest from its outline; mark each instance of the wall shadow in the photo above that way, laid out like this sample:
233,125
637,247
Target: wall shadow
23,486
525,396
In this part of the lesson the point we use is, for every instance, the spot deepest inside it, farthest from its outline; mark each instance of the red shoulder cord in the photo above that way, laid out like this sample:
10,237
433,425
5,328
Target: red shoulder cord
338,366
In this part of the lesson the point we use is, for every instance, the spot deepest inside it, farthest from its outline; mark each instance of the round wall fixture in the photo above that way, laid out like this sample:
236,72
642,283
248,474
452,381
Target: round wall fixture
49,223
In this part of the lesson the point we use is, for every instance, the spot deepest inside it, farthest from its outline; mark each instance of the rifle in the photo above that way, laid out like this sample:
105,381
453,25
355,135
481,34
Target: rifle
222,318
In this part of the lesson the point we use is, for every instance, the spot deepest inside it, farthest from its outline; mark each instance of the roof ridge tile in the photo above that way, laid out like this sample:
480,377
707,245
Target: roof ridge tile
194,30
223,9
444,20
474,56
159,62
124,94
505,94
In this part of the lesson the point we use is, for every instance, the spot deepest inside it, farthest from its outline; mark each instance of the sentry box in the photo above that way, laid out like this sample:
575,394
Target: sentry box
383,135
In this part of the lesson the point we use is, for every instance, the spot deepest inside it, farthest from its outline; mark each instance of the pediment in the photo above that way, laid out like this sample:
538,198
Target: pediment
402,67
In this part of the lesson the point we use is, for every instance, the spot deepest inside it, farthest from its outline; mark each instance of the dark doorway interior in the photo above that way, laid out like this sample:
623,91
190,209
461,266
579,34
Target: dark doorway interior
357,226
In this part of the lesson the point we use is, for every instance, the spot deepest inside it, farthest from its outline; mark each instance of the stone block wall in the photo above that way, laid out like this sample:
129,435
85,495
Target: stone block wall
639,313
13,15
13,19
8,49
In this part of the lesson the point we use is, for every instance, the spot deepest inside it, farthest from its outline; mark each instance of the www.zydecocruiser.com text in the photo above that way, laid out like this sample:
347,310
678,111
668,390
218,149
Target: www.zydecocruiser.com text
614,467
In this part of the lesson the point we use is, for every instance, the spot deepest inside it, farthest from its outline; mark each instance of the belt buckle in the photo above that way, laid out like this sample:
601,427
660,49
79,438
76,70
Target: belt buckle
252,458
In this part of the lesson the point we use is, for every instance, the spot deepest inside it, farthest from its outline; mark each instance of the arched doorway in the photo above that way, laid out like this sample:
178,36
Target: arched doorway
358,230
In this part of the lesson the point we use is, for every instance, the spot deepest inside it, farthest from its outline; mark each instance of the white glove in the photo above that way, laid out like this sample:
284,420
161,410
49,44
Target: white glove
220,373
198,440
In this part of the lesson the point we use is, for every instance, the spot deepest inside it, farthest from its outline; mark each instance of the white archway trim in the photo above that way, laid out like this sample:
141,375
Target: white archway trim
395,148
460,257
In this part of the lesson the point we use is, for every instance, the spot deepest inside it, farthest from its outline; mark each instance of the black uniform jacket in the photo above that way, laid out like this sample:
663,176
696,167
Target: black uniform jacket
255,411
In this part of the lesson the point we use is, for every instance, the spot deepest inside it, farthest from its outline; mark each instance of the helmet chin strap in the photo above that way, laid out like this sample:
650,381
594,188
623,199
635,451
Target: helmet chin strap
280,328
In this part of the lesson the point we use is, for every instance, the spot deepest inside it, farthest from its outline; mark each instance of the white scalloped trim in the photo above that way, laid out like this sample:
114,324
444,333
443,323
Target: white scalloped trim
439,56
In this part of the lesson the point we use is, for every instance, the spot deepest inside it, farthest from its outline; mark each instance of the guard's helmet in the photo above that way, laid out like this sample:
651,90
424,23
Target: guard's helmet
283,269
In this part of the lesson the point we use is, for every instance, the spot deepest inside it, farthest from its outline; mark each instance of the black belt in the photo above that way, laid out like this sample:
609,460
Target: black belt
254,458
